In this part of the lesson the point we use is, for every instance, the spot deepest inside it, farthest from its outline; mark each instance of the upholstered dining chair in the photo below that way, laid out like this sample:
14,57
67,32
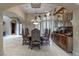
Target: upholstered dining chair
45,38
25,33
35,38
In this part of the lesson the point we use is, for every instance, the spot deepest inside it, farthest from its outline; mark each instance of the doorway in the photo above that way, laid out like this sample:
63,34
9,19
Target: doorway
13,25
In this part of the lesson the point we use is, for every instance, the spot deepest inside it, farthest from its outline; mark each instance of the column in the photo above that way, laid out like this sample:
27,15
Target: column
1,34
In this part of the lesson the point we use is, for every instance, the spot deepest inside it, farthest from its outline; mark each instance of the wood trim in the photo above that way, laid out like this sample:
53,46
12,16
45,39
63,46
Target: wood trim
58,11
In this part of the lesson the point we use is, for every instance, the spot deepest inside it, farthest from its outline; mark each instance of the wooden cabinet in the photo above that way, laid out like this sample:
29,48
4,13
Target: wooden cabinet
62,41
64,33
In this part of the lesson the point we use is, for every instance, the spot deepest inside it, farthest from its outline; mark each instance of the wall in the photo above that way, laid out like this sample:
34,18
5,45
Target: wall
1,35
7,25
28,24
76,32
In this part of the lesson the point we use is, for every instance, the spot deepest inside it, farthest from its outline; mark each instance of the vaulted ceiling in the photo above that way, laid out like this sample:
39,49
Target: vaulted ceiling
37,8
43,8
4,6
46,7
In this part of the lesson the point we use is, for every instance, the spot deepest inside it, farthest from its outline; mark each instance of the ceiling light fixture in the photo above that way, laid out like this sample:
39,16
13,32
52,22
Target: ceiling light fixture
35,5
35,23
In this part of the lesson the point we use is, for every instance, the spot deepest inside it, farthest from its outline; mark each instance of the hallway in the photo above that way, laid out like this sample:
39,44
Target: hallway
13,47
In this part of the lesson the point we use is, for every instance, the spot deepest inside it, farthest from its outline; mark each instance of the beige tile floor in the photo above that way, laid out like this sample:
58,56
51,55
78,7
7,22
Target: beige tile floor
13,47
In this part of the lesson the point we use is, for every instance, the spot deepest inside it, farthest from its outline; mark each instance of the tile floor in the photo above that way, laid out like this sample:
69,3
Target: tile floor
13,47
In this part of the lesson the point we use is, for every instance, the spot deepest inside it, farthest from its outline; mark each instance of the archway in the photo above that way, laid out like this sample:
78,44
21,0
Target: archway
13,24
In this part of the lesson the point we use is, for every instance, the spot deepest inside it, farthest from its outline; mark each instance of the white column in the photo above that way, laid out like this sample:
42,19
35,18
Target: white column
1,34
17,28
20,28
76,32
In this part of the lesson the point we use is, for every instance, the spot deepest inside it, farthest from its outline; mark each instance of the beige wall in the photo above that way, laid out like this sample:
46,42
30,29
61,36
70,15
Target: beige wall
28,22
1,35
76,32
7,24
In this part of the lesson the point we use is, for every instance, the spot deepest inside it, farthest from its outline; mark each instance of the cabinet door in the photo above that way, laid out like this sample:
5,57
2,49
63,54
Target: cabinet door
63,42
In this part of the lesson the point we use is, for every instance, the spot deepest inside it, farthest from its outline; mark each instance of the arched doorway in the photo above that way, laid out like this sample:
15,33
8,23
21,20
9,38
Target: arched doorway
13,27
16,27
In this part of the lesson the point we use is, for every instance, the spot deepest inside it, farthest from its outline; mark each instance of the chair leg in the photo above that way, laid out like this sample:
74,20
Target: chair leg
31,46
39,46
23,43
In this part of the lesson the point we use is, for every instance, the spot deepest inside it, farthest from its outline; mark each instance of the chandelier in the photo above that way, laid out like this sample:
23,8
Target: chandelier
36,20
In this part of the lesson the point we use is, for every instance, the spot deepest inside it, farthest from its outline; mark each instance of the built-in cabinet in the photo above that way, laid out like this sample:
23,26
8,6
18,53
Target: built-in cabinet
64,39
63,35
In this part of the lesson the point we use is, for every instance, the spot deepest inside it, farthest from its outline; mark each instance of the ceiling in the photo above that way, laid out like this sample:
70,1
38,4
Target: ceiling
46,7
4,6
27,8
